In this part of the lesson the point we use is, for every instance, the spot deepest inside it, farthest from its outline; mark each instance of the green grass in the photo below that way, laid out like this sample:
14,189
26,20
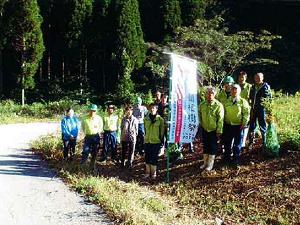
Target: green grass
287,118
125,202
261,192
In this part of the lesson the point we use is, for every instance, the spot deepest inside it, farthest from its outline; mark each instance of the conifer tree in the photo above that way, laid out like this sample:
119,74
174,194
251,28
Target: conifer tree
191,10
25,37
129,34
171,16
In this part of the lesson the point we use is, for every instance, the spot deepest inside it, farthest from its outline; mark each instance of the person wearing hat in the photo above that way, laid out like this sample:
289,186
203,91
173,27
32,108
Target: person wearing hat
237,115
211,115
111,129
260,91
245,94
70,126
92,126
154,133
224,94
139,111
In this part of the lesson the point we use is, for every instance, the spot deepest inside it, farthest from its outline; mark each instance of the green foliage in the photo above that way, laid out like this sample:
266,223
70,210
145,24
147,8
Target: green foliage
218,51
9,110
129,34
148,98
171,17
192,10
125,87
23,30
287,118
80,14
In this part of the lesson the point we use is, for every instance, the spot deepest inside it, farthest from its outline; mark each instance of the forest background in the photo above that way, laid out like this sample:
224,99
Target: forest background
100,50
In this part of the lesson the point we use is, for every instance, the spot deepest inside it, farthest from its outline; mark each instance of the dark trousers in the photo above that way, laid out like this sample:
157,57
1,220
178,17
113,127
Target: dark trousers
69,147
140,139
151,153
233,140
210,142
109,144
260,115
91,145
128,150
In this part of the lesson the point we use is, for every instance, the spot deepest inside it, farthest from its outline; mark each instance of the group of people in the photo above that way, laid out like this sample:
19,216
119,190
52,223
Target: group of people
139,131
225,116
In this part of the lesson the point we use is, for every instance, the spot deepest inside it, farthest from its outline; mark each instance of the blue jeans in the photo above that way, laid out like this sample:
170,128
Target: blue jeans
233,140
140,138
69,147
259,114
109,143
91,145
210,144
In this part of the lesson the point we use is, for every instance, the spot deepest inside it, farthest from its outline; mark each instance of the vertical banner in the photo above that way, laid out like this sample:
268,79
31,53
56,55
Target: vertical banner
183,98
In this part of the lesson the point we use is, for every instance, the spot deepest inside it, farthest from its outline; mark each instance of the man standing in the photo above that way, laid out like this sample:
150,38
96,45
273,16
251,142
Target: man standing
139,111
154,132
258,93
224,94
157,99
70,126
92,126
129,132
245,87
211,120
111,128
245,94
237,115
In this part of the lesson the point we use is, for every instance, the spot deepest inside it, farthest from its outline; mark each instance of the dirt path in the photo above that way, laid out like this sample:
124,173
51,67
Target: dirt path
30,193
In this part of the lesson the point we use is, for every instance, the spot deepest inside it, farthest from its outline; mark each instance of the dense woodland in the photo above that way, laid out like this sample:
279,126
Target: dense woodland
112,49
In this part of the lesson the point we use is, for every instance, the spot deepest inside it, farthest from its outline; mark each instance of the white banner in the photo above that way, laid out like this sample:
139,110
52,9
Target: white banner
184,102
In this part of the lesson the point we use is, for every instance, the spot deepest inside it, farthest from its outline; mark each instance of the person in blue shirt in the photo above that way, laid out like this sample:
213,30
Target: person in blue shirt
258,92
70,126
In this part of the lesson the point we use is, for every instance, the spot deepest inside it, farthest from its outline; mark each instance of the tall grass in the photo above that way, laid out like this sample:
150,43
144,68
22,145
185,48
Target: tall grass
286,110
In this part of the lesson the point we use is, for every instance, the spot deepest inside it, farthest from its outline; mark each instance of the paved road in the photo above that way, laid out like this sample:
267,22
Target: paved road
30,194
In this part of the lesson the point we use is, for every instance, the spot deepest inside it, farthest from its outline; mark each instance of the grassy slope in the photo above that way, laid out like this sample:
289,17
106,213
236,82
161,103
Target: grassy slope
263,191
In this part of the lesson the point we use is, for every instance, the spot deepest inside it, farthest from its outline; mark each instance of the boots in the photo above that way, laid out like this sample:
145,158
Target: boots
210,164
205,161
153,171
147,171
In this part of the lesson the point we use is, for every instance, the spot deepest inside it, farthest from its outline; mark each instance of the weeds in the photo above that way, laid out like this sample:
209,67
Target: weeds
261,192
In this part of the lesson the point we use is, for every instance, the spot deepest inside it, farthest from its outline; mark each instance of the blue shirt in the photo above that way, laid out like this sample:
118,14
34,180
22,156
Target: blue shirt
70,126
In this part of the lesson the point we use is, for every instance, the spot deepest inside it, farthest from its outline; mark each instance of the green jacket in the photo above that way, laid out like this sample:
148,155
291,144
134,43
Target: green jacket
245,92
222,96
237,112
212,116
92,125
154,132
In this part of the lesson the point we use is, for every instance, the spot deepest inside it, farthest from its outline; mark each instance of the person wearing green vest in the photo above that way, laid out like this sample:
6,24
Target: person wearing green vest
245,87
224,94
237,116
154,134
245,94
92,126
211,120
111,129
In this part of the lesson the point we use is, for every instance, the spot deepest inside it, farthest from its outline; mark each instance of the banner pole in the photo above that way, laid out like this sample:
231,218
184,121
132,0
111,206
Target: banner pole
168,128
